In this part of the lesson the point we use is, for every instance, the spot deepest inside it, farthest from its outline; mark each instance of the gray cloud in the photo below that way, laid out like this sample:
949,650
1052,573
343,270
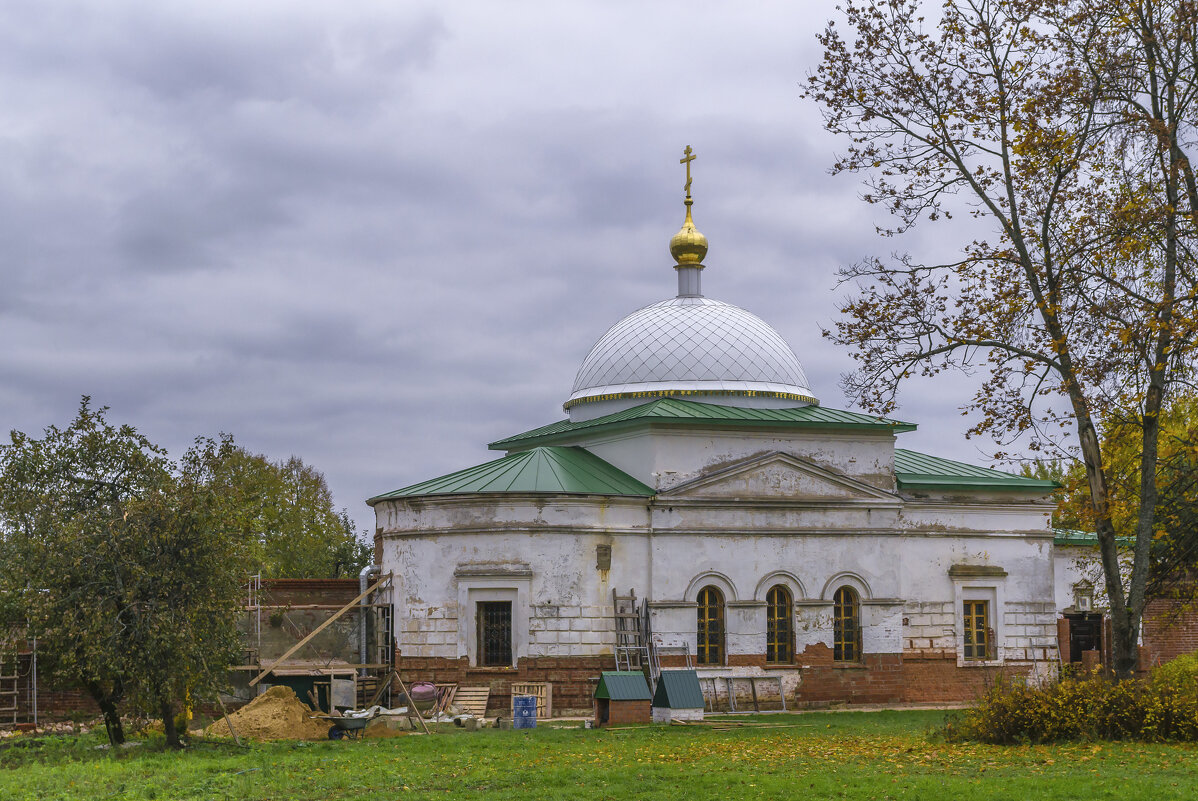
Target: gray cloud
380,235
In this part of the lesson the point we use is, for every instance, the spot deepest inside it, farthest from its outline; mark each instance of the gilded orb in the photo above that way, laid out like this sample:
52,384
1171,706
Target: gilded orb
688,246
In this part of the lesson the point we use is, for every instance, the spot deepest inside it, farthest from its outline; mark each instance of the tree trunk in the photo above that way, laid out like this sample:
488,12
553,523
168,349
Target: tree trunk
168,725
112,718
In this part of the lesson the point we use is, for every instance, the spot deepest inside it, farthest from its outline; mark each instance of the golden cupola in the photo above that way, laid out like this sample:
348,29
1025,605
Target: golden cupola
688,246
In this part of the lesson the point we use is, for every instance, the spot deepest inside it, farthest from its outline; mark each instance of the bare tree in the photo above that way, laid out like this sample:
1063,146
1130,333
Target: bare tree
1062,127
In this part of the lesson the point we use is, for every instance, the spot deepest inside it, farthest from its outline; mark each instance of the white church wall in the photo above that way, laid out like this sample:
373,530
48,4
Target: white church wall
562,602
1014,574
1078,568
545,554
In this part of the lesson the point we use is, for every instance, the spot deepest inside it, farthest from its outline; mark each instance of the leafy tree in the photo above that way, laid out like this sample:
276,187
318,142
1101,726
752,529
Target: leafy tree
1064,127
1174,551
291,520
186,584
129,568
63,506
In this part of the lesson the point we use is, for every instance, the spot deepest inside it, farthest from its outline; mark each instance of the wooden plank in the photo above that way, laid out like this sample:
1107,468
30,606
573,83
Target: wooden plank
473,700
320,628
445,696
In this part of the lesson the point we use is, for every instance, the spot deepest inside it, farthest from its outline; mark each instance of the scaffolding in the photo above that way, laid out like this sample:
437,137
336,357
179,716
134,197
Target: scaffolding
294,642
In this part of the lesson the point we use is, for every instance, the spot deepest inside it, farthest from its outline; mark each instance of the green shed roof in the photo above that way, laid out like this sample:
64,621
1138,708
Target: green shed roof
622,685
678,411
679,689
921,471
548,469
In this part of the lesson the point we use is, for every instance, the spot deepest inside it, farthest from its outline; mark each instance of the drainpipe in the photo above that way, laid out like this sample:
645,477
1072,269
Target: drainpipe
363,583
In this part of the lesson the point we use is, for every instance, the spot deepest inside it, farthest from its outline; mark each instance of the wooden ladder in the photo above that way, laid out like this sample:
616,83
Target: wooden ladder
9,685
632,652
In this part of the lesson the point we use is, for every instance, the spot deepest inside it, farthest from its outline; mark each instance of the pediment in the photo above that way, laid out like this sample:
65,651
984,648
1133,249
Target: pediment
778,477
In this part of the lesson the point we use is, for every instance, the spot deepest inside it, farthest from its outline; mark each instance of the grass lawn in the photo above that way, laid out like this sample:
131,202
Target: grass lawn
865,755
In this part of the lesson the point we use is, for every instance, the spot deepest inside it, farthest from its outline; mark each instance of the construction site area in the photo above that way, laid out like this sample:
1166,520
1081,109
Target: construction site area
319,661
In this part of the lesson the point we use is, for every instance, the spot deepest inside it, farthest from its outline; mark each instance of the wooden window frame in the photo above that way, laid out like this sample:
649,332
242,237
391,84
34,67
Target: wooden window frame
779,625
709,614
977,635
846,639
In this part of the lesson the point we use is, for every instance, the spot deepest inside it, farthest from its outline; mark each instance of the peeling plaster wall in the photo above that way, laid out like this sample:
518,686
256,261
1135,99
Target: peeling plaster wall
909,602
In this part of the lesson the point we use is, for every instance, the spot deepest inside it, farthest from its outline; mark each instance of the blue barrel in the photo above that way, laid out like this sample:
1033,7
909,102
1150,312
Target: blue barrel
524,712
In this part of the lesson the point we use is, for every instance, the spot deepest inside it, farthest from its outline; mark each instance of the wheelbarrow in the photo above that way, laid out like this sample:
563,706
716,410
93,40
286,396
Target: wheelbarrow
351,727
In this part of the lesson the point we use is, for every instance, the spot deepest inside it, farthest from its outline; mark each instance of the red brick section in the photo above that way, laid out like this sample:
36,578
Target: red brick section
915,677
876,679
1170,629
941,681
573,677
294,592
1063,645
621,713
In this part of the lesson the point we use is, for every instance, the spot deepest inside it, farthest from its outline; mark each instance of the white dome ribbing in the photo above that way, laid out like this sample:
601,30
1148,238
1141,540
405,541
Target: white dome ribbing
691,346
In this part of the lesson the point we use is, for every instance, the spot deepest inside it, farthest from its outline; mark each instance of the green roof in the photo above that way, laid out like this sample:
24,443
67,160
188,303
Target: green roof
678,411
679,689
549,470
1069,536
622,685
920,471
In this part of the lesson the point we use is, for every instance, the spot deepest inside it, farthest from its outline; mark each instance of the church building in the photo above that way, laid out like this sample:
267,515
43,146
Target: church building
699,506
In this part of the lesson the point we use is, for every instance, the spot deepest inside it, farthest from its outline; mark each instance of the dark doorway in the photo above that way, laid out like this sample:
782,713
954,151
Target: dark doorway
495,633
1085,634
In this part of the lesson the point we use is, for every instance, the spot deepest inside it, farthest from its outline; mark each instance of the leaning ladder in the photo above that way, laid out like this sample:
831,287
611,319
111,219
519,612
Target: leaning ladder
656,650
632,652
9,684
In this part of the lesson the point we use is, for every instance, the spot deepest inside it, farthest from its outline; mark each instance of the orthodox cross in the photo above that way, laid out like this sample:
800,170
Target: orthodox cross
687,158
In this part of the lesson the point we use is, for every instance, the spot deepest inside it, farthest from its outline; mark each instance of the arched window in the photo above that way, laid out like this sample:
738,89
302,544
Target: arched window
711,627
846,636
779,626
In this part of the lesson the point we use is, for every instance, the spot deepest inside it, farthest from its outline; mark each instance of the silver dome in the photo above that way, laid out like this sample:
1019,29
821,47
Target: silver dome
692,346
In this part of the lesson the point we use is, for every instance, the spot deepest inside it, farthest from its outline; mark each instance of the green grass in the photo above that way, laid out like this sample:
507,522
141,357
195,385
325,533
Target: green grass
865,755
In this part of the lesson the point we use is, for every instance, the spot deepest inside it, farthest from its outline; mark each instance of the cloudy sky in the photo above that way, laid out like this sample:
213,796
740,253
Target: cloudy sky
378,235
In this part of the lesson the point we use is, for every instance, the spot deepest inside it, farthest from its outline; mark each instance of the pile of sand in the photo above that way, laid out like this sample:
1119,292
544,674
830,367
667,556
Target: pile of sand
277,714
382,730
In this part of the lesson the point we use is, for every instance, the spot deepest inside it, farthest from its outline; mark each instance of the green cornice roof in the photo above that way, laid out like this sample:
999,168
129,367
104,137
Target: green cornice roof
920,471
677,411
1089,539
540,470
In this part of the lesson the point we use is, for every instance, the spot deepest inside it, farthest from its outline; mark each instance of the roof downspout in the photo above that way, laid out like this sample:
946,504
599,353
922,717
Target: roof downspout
363,583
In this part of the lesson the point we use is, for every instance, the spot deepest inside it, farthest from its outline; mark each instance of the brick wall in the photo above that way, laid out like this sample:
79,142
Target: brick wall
573,677
1170,629
622,713
940,681
293,592
53,703
877,679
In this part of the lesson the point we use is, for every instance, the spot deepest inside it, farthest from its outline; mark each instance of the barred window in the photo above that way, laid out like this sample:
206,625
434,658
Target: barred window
846,635
977,629
710,627
495,633
779,637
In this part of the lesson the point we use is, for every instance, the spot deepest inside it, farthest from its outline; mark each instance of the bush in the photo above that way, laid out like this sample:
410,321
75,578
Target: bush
1090,706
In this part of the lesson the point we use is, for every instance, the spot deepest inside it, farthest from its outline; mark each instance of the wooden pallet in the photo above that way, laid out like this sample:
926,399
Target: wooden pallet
543,691
472,700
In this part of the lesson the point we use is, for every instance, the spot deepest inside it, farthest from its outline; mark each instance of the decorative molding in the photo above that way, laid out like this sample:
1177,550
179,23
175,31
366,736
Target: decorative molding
493,571
976,571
